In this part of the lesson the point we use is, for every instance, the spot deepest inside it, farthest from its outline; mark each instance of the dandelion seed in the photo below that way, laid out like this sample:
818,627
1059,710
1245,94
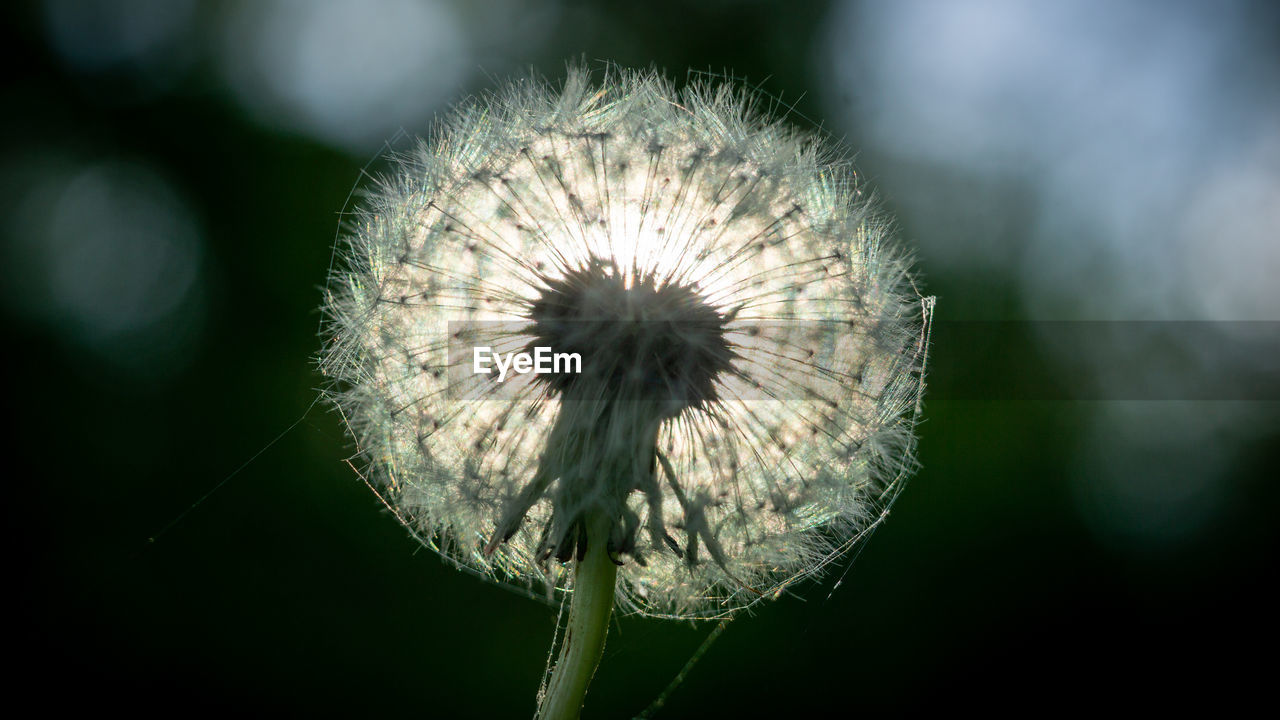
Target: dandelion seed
752,347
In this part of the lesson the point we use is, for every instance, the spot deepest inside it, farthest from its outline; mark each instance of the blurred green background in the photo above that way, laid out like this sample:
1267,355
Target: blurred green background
173,173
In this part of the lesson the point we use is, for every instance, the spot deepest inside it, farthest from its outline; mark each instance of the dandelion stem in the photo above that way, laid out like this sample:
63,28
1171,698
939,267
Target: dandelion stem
589,611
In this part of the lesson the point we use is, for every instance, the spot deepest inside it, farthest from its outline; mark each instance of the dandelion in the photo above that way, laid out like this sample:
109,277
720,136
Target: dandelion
750,350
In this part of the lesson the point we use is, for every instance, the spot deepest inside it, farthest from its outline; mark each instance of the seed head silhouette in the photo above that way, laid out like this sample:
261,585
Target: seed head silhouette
750,340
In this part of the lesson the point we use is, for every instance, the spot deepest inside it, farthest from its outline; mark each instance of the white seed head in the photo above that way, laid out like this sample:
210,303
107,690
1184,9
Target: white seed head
752,347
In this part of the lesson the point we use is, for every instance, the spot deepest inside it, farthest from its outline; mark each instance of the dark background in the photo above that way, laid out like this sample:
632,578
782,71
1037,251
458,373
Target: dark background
172,176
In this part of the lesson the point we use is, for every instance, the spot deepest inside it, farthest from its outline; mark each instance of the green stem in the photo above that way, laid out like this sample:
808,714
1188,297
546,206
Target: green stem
583,645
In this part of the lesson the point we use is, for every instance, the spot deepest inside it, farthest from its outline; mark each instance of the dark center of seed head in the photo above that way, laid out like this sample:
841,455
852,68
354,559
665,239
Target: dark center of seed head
641,340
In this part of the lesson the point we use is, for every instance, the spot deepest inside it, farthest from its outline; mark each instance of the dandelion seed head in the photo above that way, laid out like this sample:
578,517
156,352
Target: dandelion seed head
752,346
